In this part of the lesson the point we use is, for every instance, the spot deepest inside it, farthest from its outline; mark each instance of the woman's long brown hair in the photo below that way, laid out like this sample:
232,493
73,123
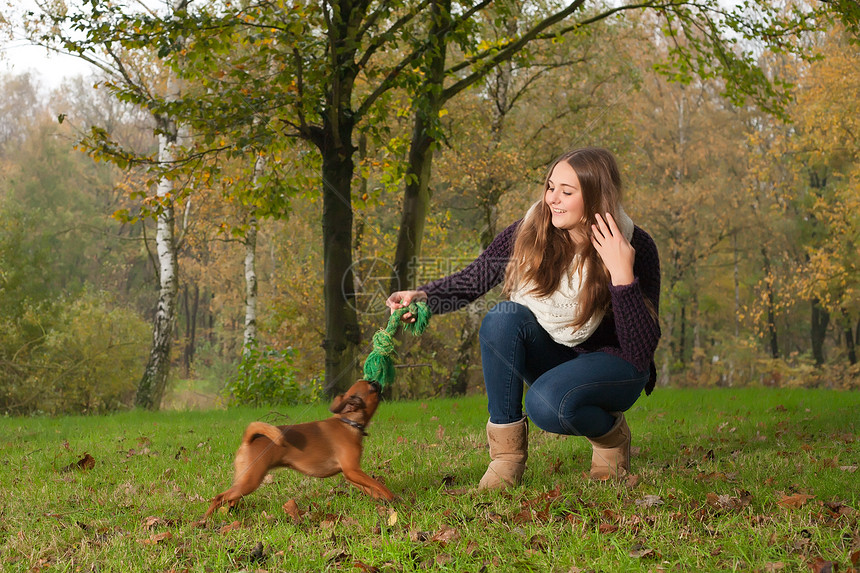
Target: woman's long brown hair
542,253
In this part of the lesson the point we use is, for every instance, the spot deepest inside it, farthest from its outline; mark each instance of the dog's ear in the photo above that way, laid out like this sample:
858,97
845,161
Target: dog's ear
351,403
337,404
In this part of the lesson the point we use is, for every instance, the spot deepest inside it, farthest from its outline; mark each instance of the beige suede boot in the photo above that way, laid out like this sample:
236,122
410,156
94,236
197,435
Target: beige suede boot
509,450
610,453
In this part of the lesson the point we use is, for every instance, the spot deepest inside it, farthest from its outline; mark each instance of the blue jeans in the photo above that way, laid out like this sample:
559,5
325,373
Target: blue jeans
569,393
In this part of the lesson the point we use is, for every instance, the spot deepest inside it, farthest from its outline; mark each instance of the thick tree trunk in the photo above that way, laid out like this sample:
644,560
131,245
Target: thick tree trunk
342,335
818,331
416,195
416,200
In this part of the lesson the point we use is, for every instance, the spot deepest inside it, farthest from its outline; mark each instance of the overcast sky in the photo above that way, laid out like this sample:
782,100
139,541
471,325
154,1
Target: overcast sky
17,56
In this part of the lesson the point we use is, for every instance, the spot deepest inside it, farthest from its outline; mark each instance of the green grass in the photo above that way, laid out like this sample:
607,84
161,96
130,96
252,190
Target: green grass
711,467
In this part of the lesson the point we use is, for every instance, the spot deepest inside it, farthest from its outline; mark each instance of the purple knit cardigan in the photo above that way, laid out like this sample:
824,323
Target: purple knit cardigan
628,330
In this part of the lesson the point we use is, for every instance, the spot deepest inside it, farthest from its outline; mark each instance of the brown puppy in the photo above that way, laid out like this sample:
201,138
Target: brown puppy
319,449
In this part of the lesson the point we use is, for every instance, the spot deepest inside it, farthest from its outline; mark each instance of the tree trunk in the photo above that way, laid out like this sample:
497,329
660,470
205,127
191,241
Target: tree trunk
849,339
820,320
342,335
416,194
850,346
250,242
192,307
682,335
698,355
771,305
150,390
771,324
737,284
665,367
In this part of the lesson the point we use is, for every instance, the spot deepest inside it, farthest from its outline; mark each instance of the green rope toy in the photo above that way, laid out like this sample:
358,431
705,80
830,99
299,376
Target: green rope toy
379,366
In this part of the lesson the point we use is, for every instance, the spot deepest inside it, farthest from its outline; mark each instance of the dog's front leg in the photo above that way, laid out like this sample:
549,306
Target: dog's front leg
367,484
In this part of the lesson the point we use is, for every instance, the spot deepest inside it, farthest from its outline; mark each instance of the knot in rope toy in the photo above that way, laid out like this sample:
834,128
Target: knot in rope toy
379,366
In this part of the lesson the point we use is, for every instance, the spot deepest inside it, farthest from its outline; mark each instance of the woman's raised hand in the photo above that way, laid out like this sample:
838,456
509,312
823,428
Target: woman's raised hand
615,250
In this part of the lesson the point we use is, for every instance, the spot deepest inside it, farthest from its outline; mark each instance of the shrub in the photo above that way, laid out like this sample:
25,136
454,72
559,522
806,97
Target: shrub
268,377
79,356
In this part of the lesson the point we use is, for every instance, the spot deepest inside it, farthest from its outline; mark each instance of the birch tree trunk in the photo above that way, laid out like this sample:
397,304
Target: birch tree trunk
150,390
250,286
250,336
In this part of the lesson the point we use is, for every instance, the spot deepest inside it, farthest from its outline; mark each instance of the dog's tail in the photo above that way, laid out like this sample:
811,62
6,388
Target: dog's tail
263,429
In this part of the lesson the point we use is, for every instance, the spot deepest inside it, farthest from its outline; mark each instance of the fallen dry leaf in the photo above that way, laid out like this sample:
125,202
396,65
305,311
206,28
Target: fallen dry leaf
724,501
711,476
539,542
773,567
85,463
639,552
335,555
446,535
365,567
230,527
157,538
822,566
292,509
152,522
795,501
607,528
258,553
554,467
650,501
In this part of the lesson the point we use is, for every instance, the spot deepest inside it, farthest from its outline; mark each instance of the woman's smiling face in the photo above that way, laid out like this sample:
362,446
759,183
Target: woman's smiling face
564,198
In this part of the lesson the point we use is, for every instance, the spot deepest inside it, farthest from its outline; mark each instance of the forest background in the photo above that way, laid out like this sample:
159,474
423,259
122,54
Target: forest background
222,217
